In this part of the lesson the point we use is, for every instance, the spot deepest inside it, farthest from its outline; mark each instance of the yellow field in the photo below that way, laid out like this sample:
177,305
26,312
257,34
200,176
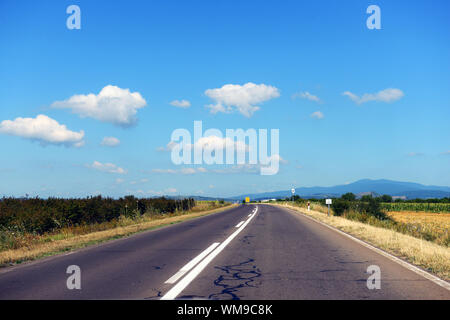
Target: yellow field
438,223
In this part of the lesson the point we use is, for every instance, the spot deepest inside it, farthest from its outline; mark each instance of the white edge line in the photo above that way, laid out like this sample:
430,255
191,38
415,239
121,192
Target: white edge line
403,263
180,286
239,224
191,263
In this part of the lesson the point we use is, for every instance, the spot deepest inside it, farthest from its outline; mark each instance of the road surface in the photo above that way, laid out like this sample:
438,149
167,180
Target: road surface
248,252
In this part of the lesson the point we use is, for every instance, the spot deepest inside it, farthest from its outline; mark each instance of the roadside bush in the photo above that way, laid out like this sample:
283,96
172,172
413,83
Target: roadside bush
39,216
373,208
339,206
348,196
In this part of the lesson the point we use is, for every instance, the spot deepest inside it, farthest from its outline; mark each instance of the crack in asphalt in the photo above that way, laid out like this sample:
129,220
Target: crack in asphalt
236,276
158,294
246,239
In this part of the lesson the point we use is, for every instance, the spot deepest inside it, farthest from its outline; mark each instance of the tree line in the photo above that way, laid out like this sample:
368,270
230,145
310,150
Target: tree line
36,215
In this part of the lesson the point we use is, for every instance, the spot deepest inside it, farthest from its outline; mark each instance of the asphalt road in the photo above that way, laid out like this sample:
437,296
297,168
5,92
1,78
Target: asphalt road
270,254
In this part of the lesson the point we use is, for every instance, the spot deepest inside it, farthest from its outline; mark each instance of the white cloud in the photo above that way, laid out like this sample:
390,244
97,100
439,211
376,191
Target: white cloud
249,168
214,143
386,95
168,147
188,171
445,152
277,157
110,142
140,181
119,180
308,96
182,170
164,171
107,167
415,154
157,192
317,115
210,143
243,98
43,129
112,104
240,168
181,103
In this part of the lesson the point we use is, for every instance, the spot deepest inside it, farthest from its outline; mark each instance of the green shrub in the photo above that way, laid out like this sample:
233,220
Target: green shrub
45,215
348,196
339,206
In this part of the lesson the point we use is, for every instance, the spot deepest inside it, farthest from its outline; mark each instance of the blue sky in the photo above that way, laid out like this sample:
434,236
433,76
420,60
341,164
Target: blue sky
177,50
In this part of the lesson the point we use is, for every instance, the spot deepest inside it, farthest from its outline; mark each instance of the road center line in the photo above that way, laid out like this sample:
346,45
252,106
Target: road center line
180,286
192,263
239,224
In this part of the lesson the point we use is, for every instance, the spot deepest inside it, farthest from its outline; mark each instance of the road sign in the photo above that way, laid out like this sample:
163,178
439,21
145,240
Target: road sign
293,190
328,202
247,199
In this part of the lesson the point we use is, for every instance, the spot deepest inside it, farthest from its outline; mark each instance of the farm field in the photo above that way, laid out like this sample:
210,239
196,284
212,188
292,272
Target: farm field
416,207
437,224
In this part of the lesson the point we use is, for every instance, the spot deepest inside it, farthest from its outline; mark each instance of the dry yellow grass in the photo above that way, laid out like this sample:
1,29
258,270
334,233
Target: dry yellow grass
427,255
435,222
64,242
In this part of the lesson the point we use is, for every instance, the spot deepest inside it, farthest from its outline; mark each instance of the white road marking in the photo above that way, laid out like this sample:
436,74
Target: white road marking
192,263
183,283
239,224
403,263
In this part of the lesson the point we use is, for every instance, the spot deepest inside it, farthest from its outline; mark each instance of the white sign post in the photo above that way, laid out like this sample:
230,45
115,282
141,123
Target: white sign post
293,192
328,202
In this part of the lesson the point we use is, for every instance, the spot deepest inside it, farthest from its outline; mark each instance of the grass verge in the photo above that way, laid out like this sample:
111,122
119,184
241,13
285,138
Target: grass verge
65,241
425,254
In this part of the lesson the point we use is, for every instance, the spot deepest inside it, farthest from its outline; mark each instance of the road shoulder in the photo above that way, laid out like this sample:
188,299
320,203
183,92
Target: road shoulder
429,258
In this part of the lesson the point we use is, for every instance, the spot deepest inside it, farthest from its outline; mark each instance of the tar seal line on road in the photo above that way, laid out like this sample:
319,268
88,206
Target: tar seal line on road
192,263
180,286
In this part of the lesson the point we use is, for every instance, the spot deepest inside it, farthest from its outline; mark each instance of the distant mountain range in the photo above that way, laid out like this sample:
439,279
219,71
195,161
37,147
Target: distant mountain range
408,190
